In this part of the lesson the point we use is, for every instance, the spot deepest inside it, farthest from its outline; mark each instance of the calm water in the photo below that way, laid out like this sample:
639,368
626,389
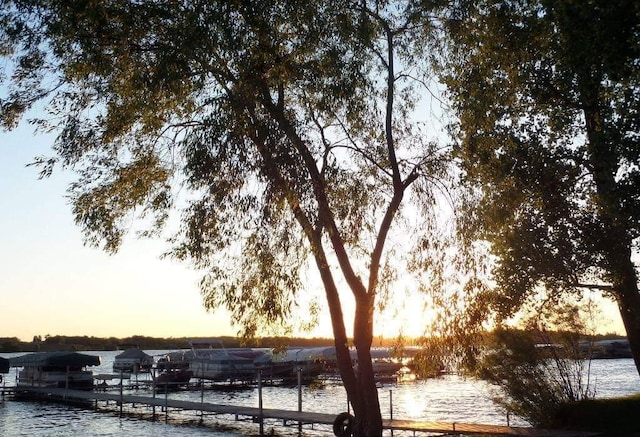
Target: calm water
452,399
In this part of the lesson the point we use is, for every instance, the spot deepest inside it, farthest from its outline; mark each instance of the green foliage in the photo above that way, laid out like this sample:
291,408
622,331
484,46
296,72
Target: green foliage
537,378
431,360
539,372
547,104
262,121
611,417
282,130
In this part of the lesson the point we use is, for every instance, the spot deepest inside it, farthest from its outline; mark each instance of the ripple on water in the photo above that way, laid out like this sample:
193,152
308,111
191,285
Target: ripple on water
450,398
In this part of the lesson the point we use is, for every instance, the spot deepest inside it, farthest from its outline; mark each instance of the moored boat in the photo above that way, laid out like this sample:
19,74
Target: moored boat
606,349
221,364
172,371
173,379
311,362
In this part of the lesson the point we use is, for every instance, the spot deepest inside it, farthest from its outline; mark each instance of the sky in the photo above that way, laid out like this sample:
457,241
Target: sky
52,284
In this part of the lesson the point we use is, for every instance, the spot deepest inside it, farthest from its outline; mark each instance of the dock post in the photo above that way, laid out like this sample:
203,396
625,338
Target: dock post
66,384
299,398
202,392
153,391
166,406
121,395
261,421
391,409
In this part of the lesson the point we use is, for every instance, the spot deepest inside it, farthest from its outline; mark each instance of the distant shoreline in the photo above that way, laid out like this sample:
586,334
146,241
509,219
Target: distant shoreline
87,343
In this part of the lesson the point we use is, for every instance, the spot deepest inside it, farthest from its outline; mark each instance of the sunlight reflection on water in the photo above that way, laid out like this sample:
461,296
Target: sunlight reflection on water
450,398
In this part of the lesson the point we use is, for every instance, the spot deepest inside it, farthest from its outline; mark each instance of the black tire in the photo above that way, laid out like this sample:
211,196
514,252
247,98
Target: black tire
343,425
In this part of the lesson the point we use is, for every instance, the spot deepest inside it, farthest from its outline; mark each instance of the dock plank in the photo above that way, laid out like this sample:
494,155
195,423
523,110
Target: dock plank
481,429
306,417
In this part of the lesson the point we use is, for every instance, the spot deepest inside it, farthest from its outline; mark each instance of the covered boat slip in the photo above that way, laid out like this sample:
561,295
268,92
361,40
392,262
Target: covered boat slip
55,359
133,360
244,364
55,369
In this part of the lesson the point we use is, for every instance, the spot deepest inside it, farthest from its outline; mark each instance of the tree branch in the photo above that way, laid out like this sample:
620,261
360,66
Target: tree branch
320,194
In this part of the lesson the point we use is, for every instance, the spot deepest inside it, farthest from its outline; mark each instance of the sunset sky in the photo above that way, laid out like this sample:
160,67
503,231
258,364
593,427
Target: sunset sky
50,283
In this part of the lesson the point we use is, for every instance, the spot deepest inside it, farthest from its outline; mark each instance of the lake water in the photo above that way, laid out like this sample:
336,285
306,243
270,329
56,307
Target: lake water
450,398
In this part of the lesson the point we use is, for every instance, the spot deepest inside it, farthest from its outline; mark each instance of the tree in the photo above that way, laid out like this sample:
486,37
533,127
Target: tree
286,125
547,95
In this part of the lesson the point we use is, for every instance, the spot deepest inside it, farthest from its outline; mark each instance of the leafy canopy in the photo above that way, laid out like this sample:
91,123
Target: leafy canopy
548,99
278,129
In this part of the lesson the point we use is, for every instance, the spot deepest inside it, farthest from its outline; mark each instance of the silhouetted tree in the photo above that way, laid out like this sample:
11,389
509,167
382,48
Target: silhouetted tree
287,124
547,97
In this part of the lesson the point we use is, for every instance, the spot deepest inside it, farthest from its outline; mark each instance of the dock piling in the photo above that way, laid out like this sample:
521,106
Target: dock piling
202,391
166,403
299,398
121,394
153,391
260,416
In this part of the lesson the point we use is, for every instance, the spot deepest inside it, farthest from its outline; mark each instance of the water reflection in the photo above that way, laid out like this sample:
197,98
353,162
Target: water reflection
450,398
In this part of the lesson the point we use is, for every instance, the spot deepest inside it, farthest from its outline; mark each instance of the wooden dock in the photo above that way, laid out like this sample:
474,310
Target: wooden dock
286,417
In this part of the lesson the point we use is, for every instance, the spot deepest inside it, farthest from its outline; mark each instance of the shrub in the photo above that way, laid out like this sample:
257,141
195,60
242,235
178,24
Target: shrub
538,374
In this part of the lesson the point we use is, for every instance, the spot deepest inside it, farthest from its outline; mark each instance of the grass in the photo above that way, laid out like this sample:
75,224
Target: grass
615,417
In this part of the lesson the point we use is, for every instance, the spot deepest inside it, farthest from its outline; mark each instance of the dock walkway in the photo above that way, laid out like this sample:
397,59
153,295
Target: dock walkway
290,417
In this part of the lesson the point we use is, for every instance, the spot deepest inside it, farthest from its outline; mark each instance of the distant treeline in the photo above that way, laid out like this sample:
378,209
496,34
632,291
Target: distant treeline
86,343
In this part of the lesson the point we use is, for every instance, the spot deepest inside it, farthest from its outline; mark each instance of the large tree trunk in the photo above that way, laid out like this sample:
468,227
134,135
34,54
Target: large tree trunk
366,404
361,388
615,241
624,280
628,299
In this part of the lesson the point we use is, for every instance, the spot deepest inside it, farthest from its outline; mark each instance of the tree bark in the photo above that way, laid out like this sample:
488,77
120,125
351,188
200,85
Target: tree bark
367,406
361,387
628,299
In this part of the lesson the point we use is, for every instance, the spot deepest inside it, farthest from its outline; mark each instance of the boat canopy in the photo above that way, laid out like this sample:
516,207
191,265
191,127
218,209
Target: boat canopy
298,355
55,359
134,354
4,365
